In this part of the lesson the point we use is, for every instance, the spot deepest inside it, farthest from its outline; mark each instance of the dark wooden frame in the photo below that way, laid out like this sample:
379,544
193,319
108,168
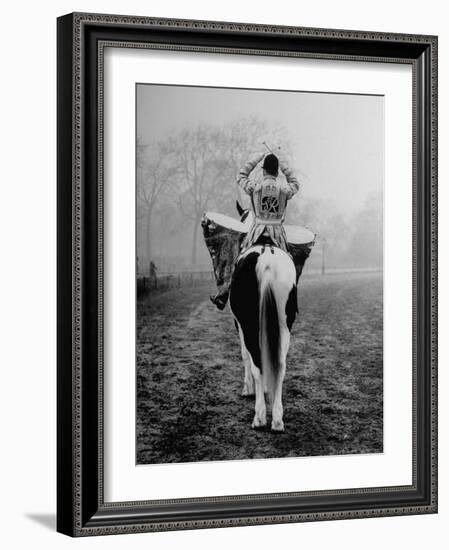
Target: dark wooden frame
81,509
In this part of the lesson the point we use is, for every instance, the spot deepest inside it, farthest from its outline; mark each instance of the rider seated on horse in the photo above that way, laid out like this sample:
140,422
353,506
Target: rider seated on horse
268,202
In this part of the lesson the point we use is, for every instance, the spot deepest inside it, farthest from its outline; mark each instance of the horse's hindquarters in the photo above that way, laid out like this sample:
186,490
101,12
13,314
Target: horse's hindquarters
263,301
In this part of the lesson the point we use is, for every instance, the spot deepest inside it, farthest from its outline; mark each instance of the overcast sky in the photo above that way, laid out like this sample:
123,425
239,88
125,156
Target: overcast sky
337,140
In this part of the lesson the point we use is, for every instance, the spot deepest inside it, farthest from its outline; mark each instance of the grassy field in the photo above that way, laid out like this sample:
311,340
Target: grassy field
189,376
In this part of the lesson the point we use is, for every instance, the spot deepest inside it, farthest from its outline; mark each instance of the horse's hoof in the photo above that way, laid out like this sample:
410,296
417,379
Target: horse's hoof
258,426
277,426
258,423
247,392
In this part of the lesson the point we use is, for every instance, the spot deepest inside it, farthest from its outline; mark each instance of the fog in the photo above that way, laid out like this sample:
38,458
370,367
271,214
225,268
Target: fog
192,141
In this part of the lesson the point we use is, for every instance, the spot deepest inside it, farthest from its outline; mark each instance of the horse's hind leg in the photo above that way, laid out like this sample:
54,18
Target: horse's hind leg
277,422
260,416
248,380
253,383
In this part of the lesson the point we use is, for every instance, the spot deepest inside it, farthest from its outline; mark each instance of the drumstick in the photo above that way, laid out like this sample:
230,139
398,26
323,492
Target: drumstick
265,143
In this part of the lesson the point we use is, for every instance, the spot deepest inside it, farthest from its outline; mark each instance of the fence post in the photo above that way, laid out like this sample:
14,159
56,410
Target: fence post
323,254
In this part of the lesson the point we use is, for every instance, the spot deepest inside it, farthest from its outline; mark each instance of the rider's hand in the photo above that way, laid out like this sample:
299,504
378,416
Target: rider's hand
283,164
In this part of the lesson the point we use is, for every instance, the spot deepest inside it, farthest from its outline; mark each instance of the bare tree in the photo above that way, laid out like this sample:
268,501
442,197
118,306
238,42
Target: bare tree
199,174
366,243
155,172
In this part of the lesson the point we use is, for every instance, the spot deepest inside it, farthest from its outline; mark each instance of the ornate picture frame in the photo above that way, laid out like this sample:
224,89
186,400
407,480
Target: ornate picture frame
81,507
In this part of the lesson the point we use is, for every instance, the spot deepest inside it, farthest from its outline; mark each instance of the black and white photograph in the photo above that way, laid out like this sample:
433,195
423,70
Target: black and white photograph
259,273
222,280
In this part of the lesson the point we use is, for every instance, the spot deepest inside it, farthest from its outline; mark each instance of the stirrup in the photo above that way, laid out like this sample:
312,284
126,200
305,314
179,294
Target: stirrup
218,301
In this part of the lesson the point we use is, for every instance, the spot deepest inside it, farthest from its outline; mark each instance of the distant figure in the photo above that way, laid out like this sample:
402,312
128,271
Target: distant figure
269,201
153,273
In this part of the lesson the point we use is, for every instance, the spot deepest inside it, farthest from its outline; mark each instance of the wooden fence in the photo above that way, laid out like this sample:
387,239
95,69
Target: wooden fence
167,281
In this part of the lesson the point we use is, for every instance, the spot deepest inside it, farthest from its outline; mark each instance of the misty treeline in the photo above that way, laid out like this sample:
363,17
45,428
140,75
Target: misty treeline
353,241
194,170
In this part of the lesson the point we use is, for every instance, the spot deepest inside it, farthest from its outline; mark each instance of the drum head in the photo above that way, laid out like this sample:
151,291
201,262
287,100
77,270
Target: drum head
295,233
298,235
227,222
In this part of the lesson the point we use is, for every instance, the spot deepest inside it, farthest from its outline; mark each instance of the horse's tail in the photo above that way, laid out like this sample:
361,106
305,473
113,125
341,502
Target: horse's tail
269,331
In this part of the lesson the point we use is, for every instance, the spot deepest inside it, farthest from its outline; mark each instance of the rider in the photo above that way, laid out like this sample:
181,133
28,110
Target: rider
268,201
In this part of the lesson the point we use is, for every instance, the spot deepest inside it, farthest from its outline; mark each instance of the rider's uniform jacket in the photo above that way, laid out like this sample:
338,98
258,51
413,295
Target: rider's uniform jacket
268,200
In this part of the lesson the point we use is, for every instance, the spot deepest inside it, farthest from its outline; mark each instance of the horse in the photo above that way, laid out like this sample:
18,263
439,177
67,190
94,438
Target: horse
263,301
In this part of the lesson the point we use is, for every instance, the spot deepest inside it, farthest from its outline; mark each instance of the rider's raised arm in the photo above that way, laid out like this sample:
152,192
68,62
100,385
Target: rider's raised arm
292,182
243,177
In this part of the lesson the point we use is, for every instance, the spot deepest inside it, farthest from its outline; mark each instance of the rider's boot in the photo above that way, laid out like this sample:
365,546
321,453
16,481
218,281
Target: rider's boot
220,298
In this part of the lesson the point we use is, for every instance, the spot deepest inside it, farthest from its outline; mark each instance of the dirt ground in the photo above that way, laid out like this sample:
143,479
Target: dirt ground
190,376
